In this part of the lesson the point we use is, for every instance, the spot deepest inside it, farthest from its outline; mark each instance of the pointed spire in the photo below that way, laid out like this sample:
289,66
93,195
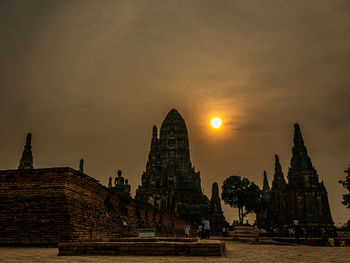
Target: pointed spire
154,142
298,138
81,165
301,169
278,169
278,178
215,202
266,186
155,132
110,182
26,161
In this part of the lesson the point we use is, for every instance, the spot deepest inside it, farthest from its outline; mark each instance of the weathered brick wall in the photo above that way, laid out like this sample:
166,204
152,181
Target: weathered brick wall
47,206
33,207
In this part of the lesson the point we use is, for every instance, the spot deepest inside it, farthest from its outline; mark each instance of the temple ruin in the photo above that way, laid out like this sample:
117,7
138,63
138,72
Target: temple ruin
170,181
303,198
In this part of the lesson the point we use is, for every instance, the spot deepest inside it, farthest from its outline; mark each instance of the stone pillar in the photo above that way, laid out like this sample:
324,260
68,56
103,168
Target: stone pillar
81,165
26,161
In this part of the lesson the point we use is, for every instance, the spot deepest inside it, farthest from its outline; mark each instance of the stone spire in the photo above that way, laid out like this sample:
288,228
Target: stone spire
262,215
277,202
155,132
298,138
301,171
153,154
154,143
81,165
278,178
215,202
26,161
216,215
266,188
110,182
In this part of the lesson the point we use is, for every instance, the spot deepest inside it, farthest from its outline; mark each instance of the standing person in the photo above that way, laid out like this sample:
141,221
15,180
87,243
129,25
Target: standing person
296,231
223,231
200,231
206,229
187,230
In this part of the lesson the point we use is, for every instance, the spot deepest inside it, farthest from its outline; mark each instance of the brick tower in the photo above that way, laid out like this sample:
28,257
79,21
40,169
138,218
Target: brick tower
170,182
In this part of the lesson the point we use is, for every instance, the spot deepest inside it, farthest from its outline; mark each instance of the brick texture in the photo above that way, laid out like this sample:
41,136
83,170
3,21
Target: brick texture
47,206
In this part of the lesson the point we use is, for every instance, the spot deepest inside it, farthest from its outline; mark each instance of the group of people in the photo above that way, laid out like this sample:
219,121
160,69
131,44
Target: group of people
203,230
290,231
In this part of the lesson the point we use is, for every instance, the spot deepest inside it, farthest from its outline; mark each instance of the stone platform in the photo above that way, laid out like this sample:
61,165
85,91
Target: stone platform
144,247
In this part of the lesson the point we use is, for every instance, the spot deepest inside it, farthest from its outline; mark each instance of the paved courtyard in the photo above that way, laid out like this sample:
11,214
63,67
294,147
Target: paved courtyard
236,252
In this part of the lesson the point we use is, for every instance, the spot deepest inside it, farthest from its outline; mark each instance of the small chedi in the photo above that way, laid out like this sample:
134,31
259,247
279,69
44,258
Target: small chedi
170,182
26,161
303,198
216,217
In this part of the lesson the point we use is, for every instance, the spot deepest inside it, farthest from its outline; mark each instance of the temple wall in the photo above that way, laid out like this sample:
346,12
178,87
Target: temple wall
47,206
309,205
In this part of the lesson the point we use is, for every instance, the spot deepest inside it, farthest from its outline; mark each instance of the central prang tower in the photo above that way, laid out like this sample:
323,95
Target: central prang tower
170,181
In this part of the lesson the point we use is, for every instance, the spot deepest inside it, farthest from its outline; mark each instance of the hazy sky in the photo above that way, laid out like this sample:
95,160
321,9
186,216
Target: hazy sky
89,79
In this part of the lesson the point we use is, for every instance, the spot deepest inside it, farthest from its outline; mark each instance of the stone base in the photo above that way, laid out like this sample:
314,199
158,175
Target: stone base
134,246
243,231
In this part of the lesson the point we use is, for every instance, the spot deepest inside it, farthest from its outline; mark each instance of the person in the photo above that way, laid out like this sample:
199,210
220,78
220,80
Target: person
331,241
342,243
187,230
206,229
200,231
296,231
223,231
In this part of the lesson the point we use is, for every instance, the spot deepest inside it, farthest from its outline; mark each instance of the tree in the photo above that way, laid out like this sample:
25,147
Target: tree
346,184
242,194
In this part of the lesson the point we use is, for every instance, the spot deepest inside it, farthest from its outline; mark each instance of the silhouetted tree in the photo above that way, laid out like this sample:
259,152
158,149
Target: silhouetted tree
242,194
346,184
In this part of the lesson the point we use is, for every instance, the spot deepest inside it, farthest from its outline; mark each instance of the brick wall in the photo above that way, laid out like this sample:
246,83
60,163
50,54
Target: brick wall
47,206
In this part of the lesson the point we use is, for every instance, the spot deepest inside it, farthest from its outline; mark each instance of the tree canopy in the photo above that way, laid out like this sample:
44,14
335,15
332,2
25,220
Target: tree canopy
346,184
242,194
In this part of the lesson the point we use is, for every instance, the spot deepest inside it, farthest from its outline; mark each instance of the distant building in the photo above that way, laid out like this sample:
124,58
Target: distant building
303,198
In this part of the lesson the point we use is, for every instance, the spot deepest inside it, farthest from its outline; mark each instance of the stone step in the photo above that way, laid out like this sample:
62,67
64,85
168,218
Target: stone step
201,248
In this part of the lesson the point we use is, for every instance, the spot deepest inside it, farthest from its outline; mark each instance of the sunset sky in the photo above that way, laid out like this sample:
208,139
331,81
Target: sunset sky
89,79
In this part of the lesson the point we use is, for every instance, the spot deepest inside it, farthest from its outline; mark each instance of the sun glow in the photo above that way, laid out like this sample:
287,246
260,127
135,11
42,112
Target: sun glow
216,122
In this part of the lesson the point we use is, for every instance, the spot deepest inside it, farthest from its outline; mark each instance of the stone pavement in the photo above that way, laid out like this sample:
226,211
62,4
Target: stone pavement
236,252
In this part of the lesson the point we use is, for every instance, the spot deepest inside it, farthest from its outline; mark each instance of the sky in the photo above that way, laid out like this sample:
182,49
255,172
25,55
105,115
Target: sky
89,79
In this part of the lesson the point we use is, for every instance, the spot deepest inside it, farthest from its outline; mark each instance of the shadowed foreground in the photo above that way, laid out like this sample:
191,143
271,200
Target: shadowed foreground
235,253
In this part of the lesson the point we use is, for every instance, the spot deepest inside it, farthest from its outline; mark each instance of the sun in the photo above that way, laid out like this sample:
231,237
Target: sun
216,122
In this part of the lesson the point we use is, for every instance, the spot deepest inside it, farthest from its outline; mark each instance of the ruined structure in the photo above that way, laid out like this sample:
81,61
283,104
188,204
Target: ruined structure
170,182
216,217
47,206
262,216
26,161
303,198
278,196
306,196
